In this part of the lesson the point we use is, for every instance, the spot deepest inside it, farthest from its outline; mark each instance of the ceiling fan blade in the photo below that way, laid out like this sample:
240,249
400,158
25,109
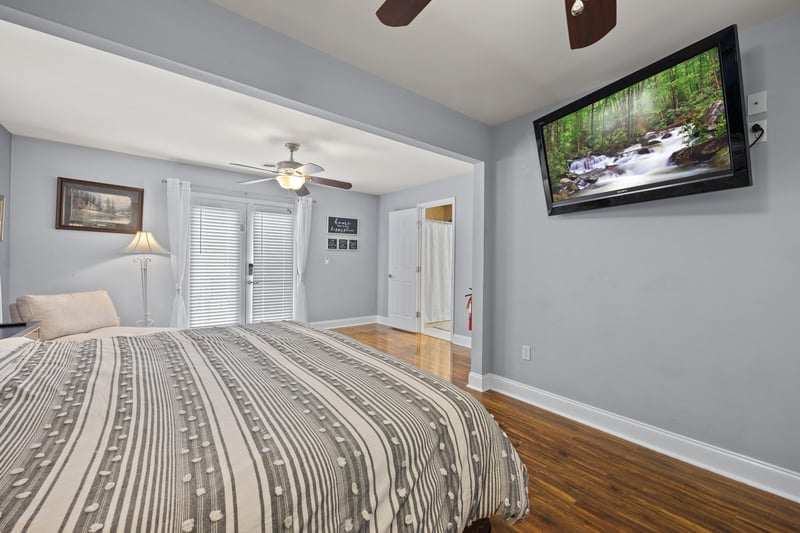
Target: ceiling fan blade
252,167
302,191
330,183
256,180
597,19
308,168
396,13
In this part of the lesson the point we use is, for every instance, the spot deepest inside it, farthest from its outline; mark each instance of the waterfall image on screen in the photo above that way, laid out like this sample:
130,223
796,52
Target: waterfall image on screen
665,128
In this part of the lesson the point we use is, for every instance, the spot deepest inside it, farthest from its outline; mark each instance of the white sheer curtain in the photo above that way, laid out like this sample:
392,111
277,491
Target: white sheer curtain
302,234
437,271
178,220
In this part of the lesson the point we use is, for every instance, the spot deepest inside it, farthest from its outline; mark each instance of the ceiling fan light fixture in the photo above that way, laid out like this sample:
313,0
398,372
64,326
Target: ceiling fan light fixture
290,182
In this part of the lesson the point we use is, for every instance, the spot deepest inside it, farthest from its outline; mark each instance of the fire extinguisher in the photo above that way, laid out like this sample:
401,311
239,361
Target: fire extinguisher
469,307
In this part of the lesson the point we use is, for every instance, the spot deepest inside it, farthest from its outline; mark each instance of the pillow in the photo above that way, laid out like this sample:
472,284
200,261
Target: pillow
65,314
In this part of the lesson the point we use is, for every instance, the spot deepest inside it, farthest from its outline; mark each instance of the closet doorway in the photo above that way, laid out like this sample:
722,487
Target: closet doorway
437,267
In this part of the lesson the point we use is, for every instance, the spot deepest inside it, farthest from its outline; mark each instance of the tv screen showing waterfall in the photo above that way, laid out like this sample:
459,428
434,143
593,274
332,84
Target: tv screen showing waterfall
673,128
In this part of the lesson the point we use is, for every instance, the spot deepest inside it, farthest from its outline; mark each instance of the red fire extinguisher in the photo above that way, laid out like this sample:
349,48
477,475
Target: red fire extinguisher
469,307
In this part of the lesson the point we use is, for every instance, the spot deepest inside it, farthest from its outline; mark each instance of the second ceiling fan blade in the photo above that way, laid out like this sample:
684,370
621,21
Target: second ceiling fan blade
302,191
397,13
597,19
330,183
308,168
262,169
256,180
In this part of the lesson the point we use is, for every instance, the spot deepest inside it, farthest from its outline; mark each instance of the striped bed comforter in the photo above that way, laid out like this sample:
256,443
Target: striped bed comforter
269,427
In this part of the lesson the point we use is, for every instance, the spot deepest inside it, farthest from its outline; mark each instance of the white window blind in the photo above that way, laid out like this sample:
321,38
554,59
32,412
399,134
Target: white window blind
273,266
216,266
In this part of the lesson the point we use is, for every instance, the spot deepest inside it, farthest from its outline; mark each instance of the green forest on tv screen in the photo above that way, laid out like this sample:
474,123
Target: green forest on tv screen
669,126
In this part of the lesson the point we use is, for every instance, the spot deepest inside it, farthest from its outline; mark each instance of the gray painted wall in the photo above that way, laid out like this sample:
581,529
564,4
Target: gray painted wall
458,187
45,260
5,189
347,286
679,313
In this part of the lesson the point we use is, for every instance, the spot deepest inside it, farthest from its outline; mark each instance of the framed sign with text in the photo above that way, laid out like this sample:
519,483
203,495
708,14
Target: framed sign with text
342,226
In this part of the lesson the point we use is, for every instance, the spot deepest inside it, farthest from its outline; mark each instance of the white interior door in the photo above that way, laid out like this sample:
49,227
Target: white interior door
402,275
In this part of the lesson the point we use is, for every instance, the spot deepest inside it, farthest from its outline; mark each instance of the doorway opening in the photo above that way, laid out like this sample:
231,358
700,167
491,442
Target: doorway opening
437,249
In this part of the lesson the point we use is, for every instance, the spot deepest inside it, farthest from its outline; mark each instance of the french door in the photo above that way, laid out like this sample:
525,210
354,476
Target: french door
241,267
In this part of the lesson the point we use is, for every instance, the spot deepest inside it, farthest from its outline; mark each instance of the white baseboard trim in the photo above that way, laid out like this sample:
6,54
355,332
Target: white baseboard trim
462,340
476,382
344,322
758,474
437,333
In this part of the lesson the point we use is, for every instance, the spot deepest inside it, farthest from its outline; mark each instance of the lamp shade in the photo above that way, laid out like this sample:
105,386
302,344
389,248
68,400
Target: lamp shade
291,181
144,243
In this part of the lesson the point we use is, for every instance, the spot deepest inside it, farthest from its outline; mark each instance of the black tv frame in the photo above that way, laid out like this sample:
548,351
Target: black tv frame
737,176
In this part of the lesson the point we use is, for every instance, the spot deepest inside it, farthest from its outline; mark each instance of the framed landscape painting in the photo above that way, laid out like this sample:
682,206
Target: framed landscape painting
90,206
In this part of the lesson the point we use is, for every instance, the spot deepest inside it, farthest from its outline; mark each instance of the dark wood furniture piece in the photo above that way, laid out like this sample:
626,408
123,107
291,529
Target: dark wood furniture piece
20,329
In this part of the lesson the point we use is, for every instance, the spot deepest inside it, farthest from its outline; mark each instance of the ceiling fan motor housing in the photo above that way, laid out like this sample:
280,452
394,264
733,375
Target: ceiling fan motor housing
287,167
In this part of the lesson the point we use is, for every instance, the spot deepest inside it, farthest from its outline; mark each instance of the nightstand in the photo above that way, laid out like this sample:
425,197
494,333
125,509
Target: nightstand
29,330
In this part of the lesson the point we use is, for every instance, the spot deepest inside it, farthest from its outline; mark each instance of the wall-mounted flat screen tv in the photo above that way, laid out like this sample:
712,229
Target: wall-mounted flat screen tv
673,128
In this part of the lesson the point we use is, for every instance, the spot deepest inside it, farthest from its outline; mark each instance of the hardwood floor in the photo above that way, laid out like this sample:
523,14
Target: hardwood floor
582,479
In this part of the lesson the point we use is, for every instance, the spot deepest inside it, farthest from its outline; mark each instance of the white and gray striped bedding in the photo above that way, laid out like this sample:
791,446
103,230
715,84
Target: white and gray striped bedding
269,427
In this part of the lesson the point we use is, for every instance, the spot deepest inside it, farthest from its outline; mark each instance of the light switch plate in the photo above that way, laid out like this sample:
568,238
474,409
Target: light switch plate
757,103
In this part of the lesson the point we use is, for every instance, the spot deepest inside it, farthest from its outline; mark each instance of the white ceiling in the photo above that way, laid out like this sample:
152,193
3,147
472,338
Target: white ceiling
491,60
495,60
58,90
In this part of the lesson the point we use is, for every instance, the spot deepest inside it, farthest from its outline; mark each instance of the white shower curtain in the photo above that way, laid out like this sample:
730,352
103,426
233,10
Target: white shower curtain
178,218
437,271
302,234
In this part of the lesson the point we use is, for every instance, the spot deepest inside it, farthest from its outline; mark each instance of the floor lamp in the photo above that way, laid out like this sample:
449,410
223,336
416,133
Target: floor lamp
144,244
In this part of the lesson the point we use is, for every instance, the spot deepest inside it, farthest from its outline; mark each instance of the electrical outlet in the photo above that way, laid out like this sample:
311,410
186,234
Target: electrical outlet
753,136
757,103
526,352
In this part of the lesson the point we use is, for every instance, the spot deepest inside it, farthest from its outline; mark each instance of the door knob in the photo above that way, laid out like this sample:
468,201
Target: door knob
390,275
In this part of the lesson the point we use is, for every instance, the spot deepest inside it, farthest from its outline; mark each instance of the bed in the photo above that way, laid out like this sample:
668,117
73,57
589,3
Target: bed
267,427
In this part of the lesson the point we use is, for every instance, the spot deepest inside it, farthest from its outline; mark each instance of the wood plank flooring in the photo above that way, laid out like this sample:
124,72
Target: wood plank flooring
582,479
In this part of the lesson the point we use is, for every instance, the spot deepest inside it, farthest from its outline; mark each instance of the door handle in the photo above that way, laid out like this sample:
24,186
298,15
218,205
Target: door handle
390,275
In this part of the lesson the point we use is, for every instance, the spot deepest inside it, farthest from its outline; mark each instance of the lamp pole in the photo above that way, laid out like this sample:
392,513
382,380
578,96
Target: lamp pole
145,304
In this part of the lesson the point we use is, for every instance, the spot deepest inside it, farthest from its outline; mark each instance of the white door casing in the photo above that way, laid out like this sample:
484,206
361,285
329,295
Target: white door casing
402,277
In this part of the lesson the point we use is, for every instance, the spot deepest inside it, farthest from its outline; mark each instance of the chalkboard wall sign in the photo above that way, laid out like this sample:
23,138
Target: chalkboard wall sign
343,226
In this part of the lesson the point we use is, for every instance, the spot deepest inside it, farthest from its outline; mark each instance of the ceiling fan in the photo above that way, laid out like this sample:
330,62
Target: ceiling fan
293,175
588,21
